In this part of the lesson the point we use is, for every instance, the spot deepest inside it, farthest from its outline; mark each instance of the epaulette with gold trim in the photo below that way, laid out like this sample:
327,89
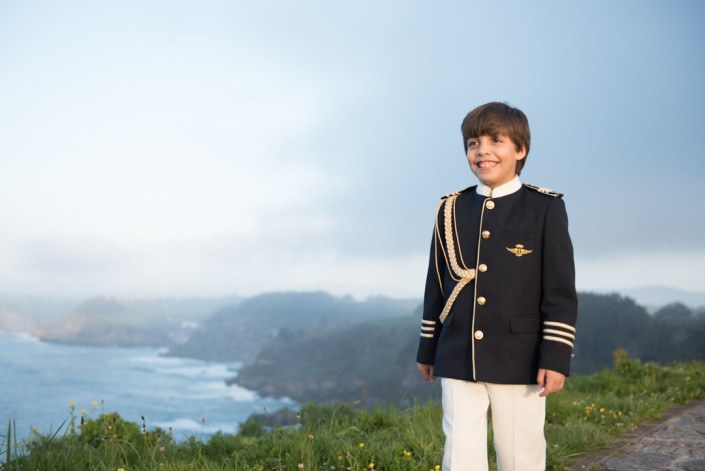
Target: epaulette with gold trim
456,193
544,191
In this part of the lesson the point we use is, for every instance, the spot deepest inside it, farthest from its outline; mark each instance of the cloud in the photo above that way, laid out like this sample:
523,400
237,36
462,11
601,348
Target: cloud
615,272
222,147
62,255
282,258
244,264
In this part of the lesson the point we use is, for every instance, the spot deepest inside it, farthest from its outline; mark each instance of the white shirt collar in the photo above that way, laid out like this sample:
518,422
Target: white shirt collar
508,188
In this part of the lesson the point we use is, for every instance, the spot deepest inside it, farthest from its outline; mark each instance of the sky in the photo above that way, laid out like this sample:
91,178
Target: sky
207,148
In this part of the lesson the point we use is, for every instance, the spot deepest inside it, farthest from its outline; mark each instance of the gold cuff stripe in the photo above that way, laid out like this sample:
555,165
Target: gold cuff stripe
560,324
424,321
428,336
558,339
559,332
428,329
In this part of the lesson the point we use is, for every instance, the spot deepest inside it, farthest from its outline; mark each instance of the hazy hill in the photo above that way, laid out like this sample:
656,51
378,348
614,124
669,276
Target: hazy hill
23,313
238,333
127,322
607,322
372,362
674,332
375,361
654,297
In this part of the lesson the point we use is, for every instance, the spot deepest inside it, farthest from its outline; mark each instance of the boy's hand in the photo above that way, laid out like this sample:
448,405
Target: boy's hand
551,381
426,372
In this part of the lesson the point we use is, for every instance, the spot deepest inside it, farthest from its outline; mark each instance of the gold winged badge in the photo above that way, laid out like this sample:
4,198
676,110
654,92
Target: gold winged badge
519,250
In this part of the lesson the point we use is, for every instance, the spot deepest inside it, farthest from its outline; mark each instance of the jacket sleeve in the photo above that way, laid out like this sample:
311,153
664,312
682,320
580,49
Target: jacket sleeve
559,302
433,300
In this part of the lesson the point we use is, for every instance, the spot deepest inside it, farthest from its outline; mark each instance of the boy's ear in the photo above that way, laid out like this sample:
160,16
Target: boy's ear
522,153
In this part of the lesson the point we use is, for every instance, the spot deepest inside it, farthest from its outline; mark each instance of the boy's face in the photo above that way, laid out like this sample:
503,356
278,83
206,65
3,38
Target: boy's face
493,159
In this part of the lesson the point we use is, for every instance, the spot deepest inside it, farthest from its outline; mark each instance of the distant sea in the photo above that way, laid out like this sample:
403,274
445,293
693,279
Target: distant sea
39,380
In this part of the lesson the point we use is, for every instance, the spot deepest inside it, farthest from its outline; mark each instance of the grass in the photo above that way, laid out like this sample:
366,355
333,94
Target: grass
586,416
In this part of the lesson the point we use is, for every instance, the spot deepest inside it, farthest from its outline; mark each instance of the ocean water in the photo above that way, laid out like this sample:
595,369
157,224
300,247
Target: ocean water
39,380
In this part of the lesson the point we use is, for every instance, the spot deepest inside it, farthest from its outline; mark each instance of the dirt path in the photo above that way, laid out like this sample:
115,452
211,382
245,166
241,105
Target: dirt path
674,443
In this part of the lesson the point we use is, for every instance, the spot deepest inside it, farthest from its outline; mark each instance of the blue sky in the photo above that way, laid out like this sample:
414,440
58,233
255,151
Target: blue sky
205,148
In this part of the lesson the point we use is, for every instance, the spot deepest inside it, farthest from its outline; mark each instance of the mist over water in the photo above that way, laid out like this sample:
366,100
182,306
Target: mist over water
38,381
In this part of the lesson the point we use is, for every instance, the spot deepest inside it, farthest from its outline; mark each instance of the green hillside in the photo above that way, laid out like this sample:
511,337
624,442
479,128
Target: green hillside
371,362
586,416
374,362
239,333
131,322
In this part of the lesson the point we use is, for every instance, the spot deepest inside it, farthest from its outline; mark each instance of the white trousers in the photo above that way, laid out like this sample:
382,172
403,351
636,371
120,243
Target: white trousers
518,415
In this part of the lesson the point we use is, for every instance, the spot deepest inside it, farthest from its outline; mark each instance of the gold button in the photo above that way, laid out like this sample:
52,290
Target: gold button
485,234
489,205
479,335
481,301
482,267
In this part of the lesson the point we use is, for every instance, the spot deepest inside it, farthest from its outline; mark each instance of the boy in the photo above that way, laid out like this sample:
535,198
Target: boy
500,305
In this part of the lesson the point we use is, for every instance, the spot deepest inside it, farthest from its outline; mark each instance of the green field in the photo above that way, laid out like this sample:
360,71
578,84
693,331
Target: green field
584,417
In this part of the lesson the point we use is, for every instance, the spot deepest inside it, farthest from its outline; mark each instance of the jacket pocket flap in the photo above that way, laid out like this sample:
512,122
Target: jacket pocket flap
524,324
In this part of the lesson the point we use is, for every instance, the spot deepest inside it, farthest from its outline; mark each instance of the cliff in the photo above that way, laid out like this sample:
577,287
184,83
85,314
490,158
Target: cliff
374,361
239,333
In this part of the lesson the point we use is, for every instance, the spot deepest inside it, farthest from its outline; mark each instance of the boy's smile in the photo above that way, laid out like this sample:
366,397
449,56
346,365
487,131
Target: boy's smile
493,159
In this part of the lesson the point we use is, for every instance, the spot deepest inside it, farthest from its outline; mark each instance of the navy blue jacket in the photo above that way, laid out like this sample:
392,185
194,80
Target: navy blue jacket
516,309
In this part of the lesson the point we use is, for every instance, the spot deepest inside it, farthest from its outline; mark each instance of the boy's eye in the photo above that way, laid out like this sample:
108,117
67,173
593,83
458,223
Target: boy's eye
472,142
496,139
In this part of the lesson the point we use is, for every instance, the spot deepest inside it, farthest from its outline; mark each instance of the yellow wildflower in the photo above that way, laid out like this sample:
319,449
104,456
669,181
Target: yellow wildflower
340,457
438,467
72,404
361,445
407,453
371,466
121,469
82,412
94,404
602,410
301,466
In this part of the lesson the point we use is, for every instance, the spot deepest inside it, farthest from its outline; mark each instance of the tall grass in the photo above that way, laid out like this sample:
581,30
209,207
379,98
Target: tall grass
589,413
7,447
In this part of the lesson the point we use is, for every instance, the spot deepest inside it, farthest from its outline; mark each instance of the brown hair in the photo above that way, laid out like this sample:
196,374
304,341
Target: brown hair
494,118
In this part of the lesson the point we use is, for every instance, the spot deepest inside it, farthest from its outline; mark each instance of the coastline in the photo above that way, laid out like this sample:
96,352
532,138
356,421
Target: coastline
42,379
